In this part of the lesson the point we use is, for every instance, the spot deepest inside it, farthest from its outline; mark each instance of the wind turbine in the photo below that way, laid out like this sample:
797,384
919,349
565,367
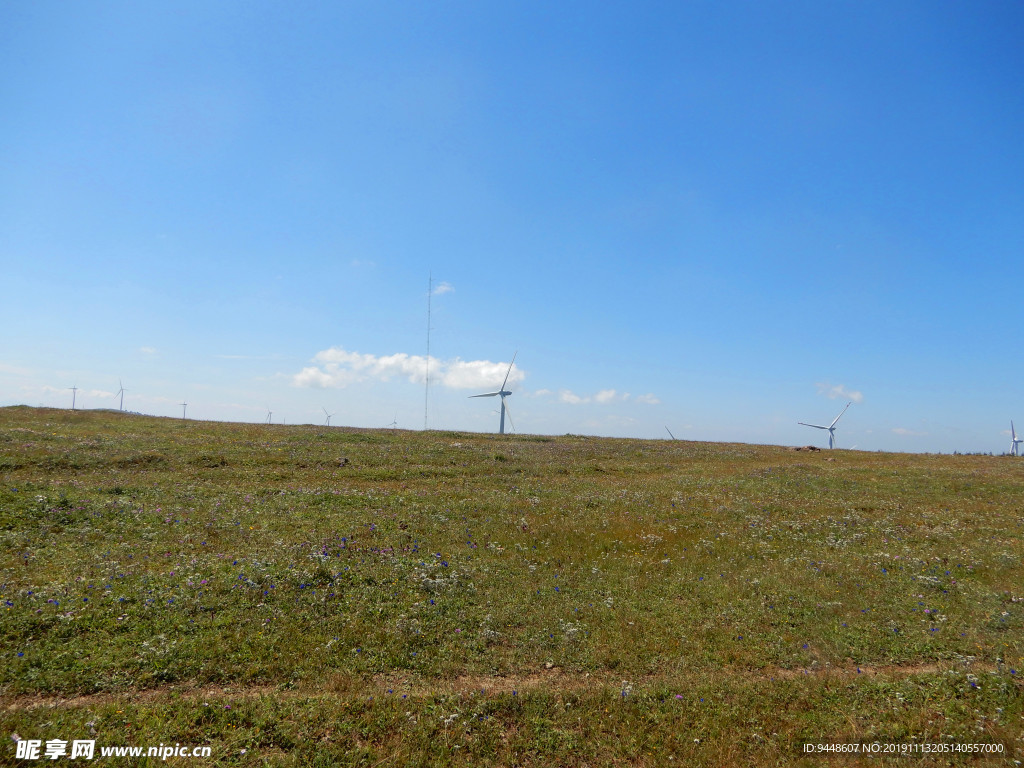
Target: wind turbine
74,394
183,407
1015,441
121,392
394,423
328,422
669,432
502,393
831,428
270,413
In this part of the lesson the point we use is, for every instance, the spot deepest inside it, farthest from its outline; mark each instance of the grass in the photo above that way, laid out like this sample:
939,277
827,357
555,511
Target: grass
318,596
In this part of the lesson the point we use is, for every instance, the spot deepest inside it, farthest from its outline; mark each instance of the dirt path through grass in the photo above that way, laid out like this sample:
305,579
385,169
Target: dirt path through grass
552,681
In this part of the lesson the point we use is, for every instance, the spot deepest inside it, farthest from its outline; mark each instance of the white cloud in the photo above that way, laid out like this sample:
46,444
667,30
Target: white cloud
648,398
147,351
442,288
546,392
315,377
476,374
839,391
603,397
337,367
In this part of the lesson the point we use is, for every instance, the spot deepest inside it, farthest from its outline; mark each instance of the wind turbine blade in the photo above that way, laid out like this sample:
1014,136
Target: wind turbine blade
816,426
669,432
508,413
487,394
509,371
840,415
1013,434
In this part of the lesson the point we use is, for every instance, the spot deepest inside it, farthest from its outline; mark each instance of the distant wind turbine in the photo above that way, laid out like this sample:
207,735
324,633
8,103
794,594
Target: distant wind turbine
669,432
503,393
183,407
121,392
328,422
831,428
1014,441
270,413
74,394
394,422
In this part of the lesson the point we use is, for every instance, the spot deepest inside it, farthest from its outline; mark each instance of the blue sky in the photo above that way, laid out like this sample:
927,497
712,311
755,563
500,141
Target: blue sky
722,217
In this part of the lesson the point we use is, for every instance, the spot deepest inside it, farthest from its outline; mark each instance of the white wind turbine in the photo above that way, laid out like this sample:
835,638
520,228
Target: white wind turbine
184,407
1014,441
831,428
328,422
270,413
502,393
74,394
121,392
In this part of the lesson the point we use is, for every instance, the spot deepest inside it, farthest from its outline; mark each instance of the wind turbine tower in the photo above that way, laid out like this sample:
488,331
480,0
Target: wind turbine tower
74,394
831,428
328,422
1014,441
121,392
270,414
183,407
502,393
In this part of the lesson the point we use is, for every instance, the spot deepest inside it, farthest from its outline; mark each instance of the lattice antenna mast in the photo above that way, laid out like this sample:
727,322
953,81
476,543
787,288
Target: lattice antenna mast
426,377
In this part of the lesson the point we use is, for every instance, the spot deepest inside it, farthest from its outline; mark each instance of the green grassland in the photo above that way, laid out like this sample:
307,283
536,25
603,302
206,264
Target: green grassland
330,596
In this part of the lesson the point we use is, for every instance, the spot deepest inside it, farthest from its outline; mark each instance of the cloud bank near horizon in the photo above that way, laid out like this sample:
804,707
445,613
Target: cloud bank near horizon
338,368
603,397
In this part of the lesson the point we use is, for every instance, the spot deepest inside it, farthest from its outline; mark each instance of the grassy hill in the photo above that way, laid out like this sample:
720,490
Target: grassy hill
329,596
